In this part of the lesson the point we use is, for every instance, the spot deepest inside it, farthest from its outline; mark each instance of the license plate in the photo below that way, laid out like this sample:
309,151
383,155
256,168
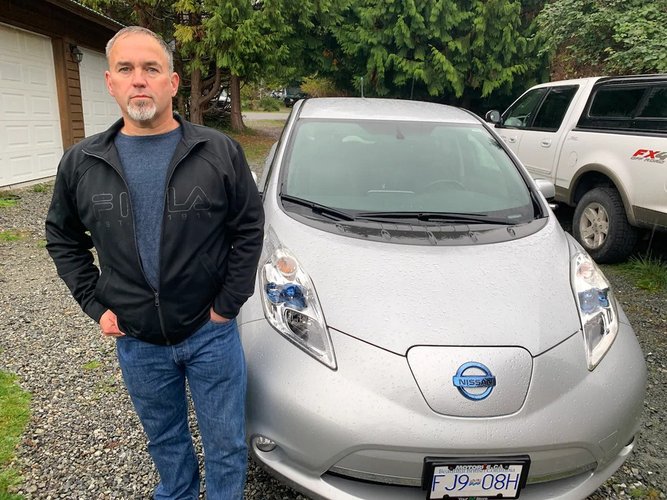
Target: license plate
463,477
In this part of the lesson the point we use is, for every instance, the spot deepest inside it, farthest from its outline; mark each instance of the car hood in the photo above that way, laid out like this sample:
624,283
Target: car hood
396,296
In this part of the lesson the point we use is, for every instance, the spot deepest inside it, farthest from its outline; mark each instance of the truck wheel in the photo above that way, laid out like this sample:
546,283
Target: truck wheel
601,226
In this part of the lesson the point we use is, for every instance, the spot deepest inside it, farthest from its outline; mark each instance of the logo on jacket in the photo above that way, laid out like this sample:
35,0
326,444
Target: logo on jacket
474,381
196,201
105,202
107,206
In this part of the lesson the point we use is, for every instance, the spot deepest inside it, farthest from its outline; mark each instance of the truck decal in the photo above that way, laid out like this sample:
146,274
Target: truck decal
650,155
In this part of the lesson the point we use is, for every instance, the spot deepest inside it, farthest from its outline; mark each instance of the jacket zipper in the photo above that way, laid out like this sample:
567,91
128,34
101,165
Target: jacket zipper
156,294
165,199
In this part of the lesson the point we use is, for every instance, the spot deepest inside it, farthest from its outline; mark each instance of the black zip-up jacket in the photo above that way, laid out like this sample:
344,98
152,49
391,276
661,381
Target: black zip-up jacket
212,231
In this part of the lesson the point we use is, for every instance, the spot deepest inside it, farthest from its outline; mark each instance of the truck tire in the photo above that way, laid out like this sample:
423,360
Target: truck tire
601,226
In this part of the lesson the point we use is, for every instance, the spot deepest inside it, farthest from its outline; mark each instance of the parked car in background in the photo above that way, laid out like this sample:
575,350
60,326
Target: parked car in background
293,94
422,326
603,143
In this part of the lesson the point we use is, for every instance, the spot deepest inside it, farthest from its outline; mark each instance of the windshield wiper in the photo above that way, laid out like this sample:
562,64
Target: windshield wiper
447,217
317,208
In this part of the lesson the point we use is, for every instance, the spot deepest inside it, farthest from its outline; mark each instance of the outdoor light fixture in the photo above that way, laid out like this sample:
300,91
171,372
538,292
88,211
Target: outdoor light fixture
76,53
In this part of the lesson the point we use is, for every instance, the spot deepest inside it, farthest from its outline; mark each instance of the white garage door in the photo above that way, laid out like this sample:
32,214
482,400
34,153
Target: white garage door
30,136
99,108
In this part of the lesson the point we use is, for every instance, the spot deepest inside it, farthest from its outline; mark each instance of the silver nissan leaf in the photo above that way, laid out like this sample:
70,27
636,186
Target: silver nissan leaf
422,327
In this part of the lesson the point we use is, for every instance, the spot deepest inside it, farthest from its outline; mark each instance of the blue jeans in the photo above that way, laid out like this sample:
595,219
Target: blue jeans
212,361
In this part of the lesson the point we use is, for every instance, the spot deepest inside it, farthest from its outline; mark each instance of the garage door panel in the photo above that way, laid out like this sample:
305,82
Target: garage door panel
10,41
13,106
30,136
46,161
10,72
20,168
38,78
46,135
18,136
99,108
43,106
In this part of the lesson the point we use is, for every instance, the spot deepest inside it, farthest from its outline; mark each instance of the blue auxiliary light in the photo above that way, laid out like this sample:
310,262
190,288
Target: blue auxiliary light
290,294
592,299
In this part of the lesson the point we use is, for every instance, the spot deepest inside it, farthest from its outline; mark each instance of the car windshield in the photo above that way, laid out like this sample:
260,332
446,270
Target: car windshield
392,169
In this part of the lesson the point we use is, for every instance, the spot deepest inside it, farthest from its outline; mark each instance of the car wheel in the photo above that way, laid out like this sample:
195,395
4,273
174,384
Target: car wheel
601,225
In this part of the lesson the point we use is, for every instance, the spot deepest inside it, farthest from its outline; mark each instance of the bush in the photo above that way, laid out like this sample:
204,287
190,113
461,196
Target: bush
269,104
317,86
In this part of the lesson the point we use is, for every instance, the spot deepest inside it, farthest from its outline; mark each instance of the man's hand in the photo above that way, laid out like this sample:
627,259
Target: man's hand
109,325
216,318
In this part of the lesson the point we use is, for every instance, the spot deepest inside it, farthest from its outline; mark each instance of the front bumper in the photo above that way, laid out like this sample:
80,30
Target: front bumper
369,421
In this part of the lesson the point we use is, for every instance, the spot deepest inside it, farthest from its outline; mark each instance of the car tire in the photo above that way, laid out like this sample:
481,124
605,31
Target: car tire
601,226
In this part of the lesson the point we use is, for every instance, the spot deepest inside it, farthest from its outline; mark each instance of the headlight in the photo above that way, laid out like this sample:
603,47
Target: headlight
597,307
290,303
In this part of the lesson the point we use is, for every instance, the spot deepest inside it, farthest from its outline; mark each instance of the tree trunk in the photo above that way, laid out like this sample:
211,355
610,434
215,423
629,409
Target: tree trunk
196,111
235,94
180,105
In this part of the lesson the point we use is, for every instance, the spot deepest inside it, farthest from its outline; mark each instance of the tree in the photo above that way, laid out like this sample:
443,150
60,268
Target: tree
591,37
224,41
458,49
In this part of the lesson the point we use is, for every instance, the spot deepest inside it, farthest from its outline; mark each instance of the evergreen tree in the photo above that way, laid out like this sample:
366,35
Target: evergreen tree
230,41
456,49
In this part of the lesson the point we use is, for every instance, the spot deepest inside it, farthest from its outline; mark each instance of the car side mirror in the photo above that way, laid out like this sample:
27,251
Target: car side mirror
548,190
492,116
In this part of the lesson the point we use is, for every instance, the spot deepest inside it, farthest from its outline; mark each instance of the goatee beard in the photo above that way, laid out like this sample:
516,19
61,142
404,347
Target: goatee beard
141,111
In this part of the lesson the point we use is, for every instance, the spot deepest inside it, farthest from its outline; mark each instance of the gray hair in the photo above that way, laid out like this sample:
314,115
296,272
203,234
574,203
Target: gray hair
144,31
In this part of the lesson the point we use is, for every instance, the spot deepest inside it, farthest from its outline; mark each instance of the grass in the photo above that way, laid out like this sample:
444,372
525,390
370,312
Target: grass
644,492
9,235
41,188
92,365
107,385
14,414
267,123
647,273
8,199
256,143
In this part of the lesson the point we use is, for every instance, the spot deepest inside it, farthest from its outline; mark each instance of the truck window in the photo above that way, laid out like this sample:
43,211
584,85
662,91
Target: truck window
522,111
616,102
553,109
629,107
656,104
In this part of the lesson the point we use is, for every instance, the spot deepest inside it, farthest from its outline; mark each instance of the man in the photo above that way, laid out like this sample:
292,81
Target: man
175,217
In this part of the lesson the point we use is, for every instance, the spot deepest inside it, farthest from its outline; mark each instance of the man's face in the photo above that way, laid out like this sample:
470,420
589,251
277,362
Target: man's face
140,81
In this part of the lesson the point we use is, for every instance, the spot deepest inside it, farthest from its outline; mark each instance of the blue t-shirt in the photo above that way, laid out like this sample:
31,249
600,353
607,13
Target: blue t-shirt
145,161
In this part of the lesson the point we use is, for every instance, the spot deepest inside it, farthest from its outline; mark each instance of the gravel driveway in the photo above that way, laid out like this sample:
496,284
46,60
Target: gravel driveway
84,441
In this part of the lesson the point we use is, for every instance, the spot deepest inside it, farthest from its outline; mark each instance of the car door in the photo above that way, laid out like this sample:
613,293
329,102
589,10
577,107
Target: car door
517,118
541,138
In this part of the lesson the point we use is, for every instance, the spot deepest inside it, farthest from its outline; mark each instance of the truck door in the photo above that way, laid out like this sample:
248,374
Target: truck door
542,137
516,119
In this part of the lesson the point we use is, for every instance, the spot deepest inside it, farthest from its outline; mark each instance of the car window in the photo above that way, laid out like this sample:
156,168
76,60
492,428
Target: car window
523,110
404,166
656,104
616,102
553,108
641,108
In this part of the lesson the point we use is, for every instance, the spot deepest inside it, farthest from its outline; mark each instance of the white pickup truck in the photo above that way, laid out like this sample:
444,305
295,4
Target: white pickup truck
602,141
